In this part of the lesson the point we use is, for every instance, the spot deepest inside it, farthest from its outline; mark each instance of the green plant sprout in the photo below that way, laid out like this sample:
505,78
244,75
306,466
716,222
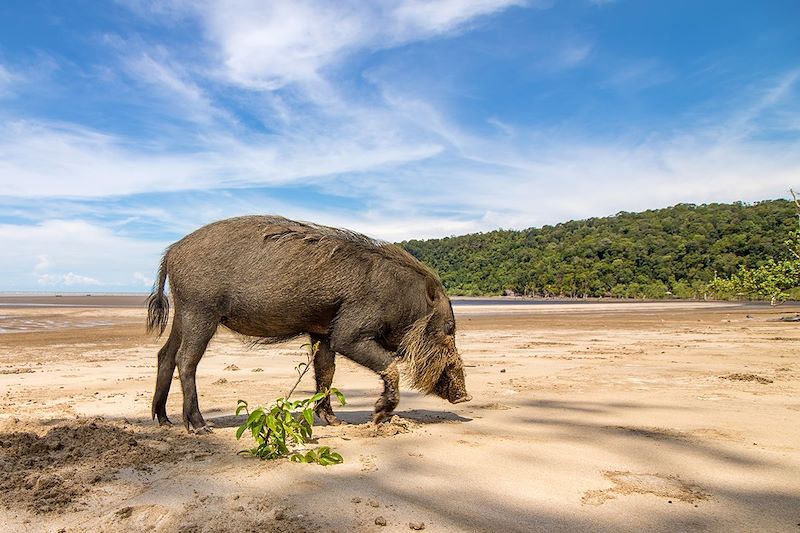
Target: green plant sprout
288,423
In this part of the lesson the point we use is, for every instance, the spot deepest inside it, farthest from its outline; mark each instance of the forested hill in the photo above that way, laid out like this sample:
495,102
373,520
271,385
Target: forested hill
651,254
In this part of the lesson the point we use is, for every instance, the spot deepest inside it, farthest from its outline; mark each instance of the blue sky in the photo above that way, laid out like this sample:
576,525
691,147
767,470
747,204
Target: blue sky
125,125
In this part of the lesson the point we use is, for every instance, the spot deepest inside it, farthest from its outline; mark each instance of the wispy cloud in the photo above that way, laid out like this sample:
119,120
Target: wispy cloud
269,45
6,80
636,75
479,180
87,163
176,89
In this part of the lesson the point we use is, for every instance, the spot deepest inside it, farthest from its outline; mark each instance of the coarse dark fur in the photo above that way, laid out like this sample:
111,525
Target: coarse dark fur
273,278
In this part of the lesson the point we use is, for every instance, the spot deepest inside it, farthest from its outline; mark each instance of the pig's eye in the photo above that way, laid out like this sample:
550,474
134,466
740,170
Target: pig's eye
449,328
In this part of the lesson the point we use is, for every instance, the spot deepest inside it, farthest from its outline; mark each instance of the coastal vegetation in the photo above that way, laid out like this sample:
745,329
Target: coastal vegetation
677,252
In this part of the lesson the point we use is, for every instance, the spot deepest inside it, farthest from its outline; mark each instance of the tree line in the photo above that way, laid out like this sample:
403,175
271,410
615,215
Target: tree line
673,252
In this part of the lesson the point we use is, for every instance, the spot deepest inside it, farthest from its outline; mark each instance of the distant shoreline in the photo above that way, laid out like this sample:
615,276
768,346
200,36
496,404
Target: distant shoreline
137,300
4,294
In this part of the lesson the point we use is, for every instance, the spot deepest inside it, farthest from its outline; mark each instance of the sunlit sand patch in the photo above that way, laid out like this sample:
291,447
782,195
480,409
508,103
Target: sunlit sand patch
12,324
664,486
669,434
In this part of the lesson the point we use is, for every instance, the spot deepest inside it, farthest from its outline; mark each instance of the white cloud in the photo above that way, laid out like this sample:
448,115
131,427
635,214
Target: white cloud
418,19
72,253
573,54
41,264
415,172
408,169
267,45
450,181
5,79
639,74
69,279
262,45
61,160
41,159
175,86
142,279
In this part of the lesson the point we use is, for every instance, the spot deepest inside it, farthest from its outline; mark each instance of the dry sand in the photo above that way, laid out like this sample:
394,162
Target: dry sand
625,417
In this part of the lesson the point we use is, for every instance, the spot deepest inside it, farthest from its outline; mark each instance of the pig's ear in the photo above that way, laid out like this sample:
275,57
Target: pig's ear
430,288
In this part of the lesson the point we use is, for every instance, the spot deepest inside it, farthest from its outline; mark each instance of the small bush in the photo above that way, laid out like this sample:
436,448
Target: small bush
288,423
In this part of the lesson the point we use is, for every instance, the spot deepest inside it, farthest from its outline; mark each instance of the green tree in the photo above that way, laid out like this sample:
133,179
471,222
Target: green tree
672,252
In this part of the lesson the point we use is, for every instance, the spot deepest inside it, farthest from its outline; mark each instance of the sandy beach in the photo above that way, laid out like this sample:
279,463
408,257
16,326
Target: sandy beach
657,416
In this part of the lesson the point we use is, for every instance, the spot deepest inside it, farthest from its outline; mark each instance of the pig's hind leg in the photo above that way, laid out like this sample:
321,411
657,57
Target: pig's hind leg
166,369
198,328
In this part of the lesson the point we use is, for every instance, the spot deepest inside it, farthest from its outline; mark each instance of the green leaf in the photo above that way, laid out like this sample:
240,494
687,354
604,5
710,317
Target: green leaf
296,404
241,430
253,417
339,396
308,414
258,427
302,404
318,396
271,424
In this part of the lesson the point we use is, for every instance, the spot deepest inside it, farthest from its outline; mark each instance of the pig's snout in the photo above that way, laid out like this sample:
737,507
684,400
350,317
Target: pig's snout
462,399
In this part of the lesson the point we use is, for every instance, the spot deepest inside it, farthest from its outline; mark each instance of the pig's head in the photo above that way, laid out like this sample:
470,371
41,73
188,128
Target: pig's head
429,350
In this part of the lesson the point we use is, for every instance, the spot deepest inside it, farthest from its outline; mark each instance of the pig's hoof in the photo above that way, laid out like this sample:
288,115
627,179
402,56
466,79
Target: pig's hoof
329,418
165,422
334,421
379,417
202,430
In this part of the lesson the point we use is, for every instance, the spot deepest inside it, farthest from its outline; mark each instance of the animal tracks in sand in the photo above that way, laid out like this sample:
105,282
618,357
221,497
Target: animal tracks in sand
368,463
668,434
669,487
23,370
494,406
747,377
395,426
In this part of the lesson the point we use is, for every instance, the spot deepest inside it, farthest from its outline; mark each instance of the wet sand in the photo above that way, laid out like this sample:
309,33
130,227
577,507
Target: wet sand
625,417
72,300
